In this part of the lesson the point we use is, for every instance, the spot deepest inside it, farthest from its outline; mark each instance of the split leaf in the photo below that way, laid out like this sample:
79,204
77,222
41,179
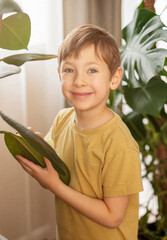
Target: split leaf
149,99
140,60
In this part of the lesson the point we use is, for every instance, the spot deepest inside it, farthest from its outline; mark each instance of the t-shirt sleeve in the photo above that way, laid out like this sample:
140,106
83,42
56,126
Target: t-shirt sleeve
50,134
121,174
57,123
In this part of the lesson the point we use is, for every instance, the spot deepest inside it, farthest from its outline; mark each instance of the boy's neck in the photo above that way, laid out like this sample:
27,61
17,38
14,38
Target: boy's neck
90,120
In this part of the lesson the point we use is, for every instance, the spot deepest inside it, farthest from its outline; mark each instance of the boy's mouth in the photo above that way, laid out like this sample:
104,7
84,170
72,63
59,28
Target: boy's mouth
81,95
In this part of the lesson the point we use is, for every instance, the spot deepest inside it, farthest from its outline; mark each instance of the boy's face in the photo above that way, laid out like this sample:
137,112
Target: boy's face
86,80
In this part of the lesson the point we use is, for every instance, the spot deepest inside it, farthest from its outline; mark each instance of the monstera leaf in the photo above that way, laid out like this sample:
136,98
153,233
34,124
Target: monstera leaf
33,147
140,60
149,99
134,122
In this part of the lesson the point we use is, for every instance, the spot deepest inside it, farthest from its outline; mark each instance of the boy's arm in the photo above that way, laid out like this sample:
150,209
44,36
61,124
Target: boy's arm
108,212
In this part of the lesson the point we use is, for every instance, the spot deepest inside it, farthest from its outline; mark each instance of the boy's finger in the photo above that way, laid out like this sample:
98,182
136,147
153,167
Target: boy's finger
31,129
39,134
48,163
27,163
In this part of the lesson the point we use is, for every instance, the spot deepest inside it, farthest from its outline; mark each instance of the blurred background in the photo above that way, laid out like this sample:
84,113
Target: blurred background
33,98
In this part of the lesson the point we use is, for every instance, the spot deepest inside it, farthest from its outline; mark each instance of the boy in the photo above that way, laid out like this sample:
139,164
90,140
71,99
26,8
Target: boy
101,201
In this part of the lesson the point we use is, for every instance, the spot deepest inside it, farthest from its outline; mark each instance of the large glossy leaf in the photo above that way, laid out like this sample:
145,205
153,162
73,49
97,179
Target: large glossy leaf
41,146
15,32
149,99
20,59
6,70
7,6
139,60
134,122
18,146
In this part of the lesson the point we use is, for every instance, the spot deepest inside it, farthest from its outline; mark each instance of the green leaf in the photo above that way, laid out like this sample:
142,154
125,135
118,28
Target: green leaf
134,121
117,100
141,5
139,59
6,70
18,146
164,133
165,61
20,59
114,99
41,146
149,99
111,97
15,32
7,6
143,221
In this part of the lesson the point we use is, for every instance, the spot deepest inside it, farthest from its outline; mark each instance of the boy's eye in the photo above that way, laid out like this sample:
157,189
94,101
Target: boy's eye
69,70
92,71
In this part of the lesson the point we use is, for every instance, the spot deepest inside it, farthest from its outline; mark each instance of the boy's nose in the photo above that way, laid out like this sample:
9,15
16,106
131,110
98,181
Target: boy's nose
80,80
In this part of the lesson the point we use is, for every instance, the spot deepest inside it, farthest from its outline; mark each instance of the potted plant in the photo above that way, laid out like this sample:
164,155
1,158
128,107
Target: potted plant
15,31
144,91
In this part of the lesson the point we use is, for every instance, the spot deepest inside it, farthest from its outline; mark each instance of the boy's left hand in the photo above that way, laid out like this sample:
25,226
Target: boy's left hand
47,177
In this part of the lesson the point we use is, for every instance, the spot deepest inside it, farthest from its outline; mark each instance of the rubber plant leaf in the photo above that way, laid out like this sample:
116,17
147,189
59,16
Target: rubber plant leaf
41,146
18,146
149,99
15,32
7,6
7,70
138,55
20,59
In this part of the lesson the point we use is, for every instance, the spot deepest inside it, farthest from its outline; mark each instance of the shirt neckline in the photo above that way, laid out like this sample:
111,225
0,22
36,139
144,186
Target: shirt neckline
109,124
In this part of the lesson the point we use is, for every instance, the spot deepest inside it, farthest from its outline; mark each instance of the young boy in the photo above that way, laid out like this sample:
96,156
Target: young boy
101,202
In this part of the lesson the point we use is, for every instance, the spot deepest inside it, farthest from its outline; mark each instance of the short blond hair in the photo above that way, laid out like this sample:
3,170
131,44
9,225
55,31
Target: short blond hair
85,35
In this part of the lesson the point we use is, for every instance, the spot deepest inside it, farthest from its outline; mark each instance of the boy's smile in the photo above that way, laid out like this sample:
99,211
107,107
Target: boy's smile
86,80
81,95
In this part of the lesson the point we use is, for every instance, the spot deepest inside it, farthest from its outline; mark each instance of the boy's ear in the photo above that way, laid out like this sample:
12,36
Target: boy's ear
116,78
58,70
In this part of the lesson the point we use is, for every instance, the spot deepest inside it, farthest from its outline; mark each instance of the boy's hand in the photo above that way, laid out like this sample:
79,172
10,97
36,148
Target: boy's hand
37,133
32,130
47,177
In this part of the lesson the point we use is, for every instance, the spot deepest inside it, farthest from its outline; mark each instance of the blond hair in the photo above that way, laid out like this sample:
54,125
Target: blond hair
85,35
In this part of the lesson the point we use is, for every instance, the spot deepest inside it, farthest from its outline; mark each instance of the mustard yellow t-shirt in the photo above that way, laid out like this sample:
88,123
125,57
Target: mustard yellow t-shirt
103,162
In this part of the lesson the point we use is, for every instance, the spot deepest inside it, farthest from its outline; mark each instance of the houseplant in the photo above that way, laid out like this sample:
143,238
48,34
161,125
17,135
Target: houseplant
144,91
15,31
14,35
